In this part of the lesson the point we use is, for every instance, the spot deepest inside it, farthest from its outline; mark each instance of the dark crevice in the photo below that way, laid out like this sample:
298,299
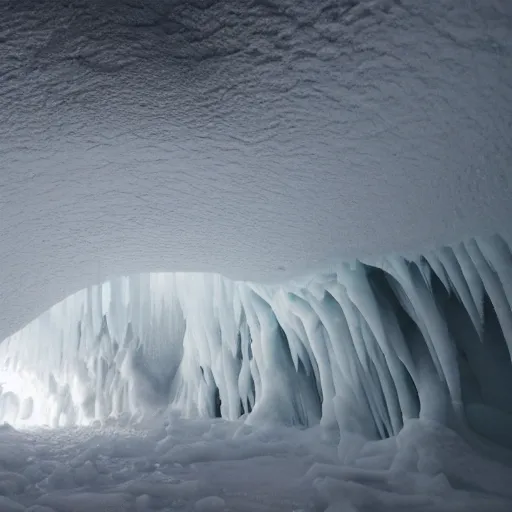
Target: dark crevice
217,403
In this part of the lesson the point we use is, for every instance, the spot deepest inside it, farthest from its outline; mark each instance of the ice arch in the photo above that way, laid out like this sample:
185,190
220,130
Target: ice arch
361,349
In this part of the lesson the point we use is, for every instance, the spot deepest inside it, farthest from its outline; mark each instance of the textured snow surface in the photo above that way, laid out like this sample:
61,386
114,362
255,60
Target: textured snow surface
219,466
255,139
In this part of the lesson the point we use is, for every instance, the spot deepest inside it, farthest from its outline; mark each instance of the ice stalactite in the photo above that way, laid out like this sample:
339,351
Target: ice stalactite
361,349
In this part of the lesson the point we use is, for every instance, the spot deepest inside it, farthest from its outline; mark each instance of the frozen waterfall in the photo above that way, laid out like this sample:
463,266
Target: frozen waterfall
362,349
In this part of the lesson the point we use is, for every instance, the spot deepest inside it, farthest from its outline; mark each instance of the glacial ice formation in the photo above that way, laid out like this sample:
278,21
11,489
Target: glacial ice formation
362,349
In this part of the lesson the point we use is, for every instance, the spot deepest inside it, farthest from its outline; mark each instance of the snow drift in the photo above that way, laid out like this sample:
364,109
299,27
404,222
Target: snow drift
361,350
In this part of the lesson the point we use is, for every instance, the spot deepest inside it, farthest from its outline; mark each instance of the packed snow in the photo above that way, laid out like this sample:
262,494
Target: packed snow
213,465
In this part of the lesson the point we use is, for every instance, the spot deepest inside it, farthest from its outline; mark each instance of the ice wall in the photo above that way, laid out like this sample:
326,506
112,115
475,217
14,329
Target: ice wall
361,349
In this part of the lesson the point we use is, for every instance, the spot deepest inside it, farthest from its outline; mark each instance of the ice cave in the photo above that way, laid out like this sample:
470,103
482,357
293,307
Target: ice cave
255,256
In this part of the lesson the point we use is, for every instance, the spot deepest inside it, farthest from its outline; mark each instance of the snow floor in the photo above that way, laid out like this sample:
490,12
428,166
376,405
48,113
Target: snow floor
215,466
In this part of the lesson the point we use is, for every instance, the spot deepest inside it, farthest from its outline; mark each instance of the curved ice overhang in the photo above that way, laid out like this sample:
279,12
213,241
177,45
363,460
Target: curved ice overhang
363,349
261,140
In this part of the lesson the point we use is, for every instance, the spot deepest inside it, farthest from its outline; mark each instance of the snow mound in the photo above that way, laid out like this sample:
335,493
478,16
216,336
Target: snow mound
427,467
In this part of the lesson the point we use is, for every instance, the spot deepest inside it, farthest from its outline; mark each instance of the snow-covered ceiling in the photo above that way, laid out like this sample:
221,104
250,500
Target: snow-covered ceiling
259,140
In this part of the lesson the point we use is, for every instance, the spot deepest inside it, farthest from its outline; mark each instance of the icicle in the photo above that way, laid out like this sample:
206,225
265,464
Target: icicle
473,280
434,328
494,289
438,268
313,327
460,284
